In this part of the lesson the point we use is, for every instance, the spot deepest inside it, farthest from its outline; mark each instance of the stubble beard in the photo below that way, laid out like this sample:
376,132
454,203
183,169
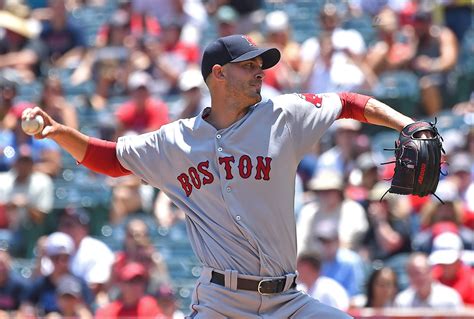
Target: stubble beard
247,92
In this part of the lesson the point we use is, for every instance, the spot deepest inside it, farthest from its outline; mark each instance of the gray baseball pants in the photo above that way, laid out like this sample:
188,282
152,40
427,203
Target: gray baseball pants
212,301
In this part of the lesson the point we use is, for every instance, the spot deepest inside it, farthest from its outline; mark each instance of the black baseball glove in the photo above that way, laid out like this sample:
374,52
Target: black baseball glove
417,160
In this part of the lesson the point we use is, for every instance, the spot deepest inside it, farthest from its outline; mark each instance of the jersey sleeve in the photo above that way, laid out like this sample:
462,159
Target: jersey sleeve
141,155
309,116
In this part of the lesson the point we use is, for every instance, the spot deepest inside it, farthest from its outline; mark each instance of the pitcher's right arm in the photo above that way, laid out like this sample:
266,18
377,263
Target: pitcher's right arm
97,155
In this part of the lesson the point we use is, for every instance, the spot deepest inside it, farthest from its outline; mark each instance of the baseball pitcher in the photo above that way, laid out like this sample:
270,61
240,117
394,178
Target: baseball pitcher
232,170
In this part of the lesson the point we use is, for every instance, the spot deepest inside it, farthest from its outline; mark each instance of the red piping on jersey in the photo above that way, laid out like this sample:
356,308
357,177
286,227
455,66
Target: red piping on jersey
353,106
101,158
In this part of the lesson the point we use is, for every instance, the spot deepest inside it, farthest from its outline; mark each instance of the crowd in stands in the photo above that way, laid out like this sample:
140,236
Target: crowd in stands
77,244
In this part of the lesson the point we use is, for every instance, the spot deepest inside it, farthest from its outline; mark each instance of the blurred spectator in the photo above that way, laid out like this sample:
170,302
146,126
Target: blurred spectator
363,178
133,301
340,264
170,57
166,212
8,93
468,195
388,234
10,107
69,299
330,205
308,165
347,146
251,13
381,288
129,23
53,101
326,290
45,153
27,197
92,259
20,51
436,54
171,42
450,209
42,263
194,94
330,70
168,302
461,173
142,113
437,217
394,47
449,269
108,63
190,13
464,107
226,19
41,295
64,41
423,290
138,247
334,62
12,289
129,196
283,76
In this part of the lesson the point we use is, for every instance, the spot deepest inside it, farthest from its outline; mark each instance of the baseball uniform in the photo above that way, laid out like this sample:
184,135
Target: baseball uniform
236,186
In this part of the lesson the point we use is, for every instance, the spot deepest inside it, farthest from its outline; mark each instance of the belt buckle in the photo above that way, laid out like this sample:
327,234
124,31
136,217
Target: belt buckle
260,286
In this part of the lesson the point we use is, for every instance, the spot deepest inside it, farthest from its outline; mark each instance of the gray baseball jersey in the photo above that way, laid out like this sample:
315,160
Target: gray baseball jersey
236,185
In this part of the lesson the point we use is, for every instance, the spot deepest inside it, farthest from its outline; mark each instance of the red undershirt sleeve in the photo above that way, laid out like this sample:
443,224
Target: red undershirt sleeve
353,106
101,157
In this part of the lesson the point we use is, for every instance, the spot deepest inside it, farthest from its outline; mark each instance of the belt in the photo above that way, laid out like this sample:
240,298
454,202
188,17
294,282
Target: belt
263,287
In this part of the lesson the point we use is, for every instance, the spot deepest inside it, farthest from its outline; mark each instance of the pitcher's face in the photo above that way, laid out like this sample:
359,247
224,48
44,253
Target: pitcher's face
244,80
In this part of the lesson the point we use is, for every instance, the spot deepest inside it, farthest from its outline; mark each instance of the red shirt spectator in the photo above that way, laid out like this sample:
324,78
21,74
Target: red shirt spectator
462,282
137,247
448,267
133,302
172,44
150,118
189,52
142,113
145,308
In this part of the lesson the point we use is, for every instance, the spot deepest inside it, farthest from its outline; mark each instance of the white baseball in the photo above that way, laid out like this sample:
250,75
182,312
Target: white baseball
32,126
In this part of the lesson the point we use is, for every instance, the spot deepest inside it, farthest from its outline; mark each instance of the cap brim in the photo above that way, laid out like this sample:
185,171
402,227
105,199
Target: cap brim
444,257
269,56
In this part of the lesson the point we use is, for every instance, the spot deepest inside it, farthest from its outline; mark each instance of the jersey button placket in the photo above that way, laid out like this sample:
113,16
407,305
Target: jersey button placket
228,189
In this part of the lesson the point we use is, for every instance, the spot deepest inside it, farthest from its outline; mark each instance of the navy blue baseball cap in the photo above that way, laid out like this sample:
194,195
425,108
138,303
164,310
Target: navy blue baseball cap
236,48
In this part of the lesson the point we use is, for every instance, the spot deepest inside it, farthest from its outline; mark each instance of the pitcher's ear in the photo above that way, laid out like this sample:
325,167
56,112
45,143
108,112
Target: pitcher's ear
218,71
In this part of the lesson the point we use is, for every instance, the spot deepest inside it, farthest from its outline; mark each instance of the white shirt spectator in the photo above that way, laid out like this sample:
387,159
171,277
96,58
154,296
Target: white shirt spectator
342,74
38,191
329,292
441,297
92,261
342,40
350,218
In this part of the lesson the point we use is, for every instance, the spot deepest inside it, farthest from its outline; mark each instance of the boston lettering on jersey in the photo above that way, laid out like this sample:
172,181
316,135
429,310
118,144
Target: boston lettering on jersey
258,168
